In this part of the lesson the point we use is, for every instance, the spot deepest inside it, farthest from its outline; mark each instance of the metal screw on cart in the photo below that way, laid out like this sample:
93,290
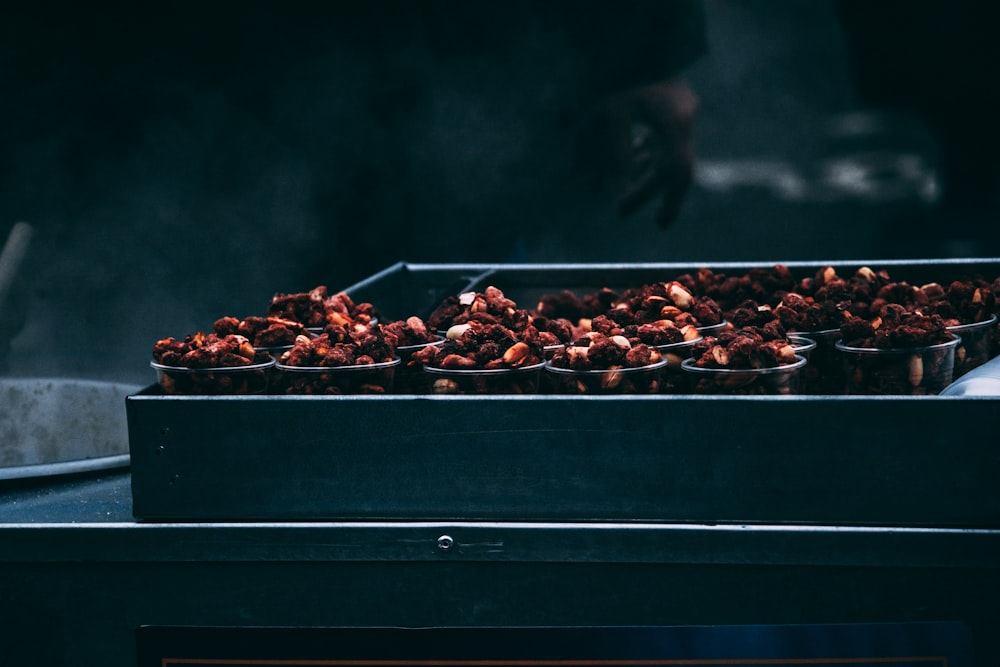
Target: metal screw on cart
445,543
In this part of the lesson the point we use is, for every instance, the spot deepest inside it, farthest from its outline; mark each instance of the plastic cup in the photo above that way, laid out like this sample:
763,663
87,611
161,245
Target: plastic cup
640,380
410,376
673,379
824,373
804,347
976,346
916,371
523,380
550,350
337,380
228,380
776,381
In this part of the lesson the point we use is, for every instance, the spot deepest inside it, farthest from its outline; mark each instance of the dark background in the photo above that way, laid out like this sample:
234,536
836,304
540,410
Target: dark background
167,193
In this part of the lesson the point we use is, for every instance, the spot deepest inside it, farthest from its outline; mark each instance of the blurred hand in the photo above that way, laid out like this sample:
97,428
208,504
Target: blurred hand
651,150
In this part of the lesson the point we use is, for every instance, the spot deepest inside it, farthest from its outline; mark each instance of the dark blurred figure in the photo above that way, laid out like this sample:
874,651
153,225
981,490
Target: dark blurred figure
507,131
935,57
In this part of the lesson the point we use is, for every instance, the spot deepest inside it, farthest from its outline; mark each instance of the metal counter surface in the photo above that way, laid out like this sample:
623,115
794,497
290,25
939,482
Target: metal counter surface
78,576
90,520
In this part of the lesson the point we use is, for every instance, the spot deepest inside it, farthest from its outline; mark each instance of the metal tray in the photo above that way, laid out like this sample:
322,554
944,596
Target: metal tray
61,426
842,460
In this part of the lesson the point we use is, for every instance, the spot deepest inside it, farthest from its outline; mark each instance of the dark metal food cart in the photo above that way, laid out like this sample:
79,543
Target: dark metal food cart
322,530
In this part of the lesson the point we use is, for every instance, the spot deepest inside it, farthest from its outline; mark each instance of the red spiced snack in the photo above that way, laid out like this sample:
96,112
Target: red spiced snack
743,348
263,332
764,285
339,361
600,364
317,308
570,306
409,336
211,364
487,307
895,327
744,362
665,301
482,358
967,307
898,352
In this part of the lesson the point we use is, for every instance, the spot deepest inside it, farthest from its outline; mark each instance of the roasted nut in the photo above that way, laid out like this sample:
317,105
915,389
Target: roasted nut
622,342
517,354
679,295
444,386
611,380
916,370
720,355
457,331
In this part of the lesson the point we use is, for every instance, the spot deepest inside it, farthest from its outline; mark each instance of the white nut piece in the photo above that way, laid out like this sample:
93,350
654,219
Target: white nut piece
456,331
916,370
444,386
622,342
679,295
611,380
690,333
721,355
516,353
866,273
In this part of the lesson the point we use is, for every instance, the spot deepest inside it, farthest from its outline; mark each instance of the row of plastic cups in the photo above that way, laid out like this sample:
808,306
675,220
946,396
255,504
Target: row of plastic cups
403,376
833,366
380,378
858,370
677,373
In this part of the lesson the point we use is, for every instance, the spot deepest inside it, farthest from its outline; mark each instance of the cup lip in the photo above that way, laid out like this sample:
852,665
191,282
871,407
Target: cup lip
710,328
821,333
418,346
316,331
807,344
689,365
677,345
973,325
434,370
601,371
955,340
337,369
215,369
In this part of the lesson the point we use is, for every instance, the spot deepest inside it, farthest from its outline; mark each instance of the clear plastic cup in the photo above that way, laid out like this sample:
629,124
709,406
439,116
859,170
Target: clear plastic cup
976,346
916,371
410,376
804,347
673,379
523,380
338,380
549,350
230,380
776,381
640,380
824,373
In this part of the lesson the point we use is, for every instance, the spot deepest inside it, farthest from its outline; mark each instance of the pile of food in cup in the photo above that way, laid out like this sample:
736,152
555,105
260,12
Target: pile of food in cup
761,331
